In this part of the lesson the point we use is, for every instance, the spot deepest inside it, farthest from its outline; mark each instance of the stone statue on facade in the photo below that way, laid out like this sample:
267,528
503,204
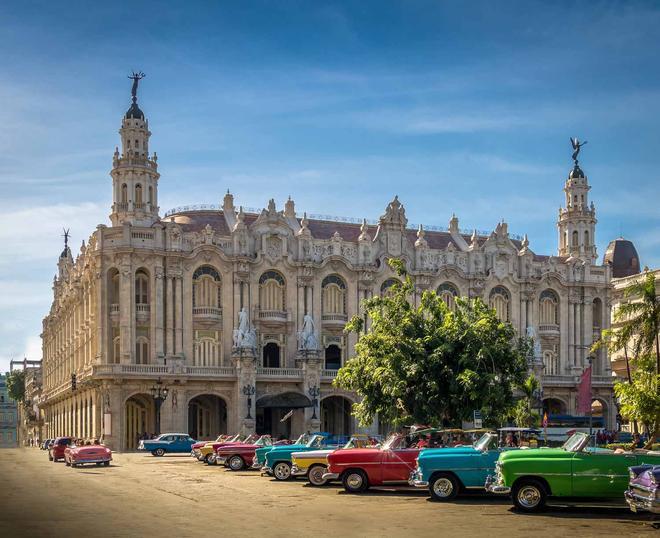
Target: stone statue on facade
306,337
531,333
245,336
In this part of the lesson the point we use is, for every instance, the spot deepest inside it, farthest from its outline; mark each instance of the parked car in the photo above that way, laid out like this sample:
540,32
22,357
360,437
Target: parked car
75,455
359,469
207,452
237,456
57,448
448,471
167,443
278,460
643,493
314,464
574,470
195,449
259,459
45,444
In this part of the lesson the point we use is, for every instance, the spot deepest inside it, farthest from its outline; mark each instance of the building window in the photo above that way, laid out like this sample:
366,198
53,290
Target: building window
151,195
206,352
141,288
271,291
142,350
575,239
549,305
551,363
597,312
124,194
586,238
333,357
138,195
500,301
116,354
333,295
271,355
385,286
448,293
207,287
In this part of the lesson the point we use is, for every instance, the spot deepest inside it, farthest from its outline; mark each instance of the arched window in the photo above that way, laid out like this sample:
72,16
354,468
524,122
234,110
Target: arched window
141,288
551,363
138,195
142,350
333,295
151,195
271,355
116,354
333,357
549,306
271,291
207,287
500,301
586,238
385,286
575,238
448,293
206,352
597,310
124,194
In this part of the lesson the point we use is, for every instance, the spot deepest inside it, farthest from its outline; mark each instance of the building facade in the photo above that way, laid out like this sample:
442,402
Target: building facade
163,301
8,417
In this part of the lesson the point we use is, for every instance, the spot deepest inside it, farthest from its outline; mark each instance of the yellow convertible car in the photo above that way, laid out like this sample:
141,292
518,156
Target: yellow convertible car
313,464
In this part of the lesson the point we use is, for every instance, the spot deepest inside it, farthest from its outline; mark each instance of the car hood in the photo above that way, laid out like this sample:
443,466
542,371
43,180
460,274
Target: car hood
432,453
534,453
96,449
360,452
312,454
234,446
288,448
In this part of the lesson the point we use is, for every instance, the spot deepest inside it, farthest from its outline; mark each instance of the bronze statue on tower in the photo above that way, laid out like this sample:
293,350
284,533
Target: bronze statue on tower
136,77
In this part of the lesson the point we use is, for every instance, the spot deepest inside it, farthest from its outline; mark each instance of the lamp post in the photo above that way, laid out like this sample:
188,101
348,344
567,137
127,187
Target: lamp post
590,358
249,391
159,394
314,392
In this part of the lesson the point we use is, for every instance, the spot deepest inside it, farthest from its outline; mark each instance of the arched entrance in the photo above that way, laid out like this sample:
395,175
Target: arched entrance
599,412
271,355
139,419
554,406
332,357
273,416
207,417
336,415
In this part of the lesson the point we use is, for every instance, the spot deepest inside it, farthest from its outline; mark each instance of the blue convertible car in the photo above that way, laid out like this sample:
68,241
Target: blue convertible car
167,442
447,471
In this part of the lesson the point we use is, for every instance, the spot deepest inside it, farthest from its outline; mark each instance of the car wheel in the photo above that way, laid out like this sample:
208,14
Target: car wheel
98,464
236,463
315,475
443,487
355,481
207,459
159,452
529,495
282,470
73,464
106,464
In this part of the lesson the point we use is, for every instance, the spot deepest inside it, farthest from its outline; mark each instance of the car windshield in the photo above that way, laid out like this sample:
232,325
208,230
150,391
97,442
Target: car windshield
575,442
251,439
303,439
357,442
315,442
488,441
393,442
264,440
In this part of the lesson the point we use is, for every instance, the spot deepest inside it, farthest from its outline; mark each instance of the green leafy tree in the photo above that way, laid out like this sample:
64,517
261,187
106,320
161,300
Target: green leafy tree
640,319
16,385
522,412
639,400
429,364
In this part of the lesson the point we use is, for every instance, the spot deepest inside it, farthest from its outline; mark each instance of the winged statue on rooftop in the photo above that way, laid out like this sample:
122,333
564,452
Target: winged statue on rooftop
136,76
577,145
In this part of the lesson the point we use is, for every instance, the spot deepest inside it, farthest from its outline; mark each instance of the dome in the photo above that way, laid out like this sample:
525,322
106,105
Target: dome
576,173
134,112
622,256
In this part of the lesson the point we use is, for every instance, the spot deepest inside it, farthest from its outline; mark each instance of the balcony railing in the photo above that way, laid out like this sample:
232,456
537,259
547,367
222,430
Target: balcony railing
548,328
212,371
142,308
207,312
114,308
328,374
294,373
334,319
273,315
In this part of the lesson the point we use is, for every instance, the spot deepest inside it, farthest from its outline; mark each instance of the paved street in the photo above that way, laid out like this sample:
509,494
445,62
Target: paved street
176,496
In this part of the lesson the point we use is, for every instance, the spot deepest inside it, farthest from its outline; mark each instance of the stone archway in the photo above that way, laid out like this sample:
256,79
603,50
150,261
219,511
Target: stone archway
336,415
139,419
600,411
207,416
277,412
554,406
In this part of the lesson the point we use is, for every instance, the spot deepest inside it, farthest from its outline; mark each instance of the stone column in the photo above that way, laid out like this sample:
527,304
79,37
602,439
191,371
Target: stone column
169,322
158,314
246,373
178,316
125,311
187,320
571,332
311,363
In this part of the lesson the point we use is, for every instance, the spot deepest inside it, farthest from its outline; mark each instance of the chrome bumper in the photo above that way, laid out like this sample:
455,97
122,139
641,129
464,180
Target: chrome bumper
255,465
330,476
640,503
266,470
494,485
415,479
297,471
96,460
220,460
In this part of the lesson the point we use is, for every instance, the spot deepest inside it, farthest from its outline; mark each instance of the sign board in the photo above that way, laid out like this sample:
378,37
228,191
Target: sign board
478,422
107,424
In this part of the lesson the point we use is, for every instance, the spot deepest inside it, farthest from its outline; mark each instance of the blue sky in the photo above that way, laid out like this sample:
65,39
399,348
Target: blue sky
340,105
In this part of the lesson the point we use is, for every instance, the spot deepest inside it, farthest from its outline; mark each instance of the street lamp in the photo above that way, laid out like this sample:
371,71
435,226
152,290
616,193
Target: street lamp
591,358
249,391
314,392
159,394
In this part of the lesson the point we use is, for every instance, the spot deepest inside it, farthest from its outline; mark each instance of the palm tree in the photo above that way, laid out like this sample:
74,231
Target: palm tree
522,412
640,318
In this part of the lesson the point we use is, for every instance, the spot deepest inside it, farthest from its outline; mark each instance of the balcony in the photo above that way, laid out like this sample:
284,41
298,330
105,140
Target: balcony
334,320
114,312
273,316
207,313
549,329
285,373
142,312
151,370
328,375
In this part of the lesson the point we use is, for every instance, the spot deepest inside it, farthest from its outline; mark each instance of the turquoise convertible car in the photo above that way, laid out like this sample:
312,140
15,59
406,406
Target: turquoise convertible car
448,471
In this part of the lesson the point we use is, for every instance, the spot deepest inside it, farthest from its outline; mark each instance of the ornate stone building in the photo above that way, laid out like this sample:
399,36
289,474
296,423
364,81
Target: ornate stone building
219,305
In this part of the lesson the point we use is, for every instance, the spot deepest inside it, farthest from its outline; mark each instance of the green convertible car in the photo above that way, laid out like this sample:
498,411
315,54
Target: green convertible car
574,470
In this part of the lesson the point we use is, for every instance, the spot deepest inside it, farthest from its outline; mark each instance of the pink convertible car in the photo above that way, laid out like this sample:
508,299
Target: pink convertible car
76,455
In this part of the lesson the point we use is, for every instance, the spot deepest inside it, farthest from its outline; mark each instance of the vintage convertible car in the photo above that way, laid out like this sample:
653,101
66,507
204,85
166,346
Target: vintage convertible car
207,452
643,493
278,460
167,443
574,470
194,450
358,469
313,464
259,459
237,455
57,447
75,455
448,471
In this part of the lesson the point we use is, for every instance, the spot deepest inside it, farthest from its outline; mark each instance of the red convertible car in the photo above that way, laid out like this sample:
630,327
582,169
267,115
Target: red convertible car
79,455
56,449
237,456
360,468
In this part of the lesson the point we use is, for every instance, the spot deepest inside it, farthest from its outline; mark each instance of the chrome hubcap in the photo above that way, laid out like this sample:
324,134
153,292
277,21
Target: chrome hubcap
282,471
316,475
354,481
443,487
529,496
236,463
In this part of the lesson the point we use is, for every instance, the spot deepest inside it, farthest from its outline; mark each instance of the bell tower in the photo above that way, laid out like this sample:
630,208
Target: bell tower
134,172
577,221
